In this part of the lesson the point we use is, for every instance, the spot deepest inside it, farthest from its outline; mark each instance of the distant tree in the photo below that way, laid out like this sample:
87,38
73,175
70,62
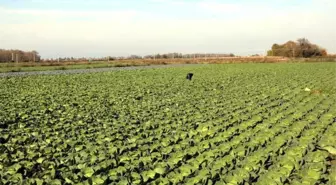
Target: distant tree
111,58
135,57
301,48
22,56
324,52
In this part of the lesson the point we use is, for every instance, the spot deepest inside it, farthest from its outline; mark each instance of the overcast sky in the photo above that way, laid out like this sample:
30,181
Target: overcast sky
93,28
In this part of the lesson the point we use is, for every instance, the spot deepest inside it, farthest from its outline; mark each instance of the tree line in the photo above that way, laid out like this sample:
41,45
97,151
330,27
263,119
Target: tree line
19,56
134,57
192,55
301,48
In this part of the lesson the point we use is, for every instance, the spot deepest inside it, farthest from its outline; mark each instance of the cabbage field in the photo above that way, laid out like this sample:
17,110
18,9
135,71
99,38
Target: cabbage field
231,124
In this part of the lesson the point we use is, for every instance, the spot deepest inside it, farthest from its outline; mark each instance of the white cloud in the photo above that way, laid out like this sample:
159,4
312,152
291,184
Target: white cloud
172,2
145,36
250,29
217,7
70,14
211,6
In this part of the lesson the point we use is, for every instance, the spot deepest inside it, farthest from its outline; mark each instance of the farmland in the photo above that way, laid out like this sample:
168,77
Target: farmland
70,65
232,124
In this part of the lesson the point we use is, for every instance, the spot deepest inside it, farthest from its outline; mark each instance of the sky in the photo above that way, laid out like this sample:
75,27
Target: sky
97,28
